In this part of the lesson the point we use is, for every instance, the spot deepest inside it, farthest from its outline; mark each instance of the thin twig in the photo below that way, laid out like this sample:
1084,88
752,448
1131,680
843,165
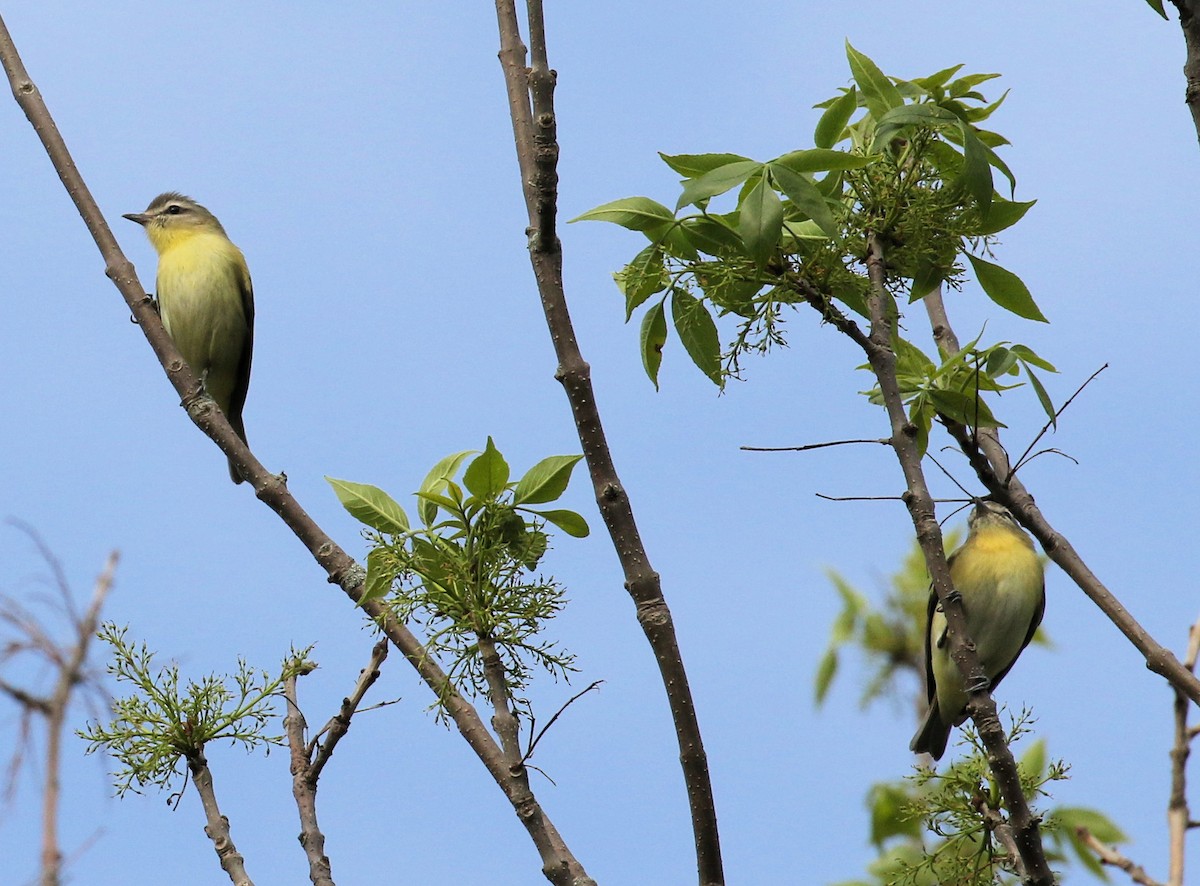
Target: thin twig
570,701
1110,856
1053,422
809,446
339,724
69,676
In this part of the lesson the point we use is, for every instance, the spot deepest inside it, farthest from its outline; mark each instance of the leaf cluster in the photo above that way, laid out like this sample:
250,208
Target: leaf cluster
959,808
467,575
161,724
905,162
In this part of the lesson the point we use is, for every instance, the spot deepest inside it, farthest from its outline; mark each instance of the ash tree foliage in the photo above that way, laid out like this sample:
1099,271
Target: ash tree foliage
467,575
161,725
903,159
907,164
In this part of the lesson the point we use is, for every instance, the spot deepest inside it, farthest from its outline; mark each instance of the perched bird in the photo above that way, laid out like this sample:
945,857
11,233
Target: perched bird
1003,588
205,299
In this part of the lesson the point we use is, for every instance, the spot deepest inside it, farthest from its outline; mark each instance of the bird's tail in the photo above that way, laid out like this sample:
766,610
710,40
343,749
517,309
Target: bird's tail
234,473
933,735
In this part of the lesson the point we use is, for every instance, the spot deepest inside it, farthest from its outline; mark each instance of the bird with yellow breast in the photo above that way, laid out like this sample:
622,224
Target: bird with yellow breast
205,299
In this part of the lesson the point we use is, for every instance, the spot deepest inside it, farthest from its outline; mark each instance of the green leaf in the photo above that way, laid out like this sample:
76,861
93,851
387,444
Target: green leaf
695,165
879,92
1006,289
1000,360
634,213
902,116
890,813
1102,827
673,241
437,478
1002,214
642,278
925,281
1157,6
938,80
1043,397
445,502
964,408
698,333
806,197
826,671
993,159
370,505
716,181
977,115
379,576
963,85
1027,356
976,172
569,522
921,414
709,234
1033,761
760,221
654,336
833,122
487,475
546,480
820,160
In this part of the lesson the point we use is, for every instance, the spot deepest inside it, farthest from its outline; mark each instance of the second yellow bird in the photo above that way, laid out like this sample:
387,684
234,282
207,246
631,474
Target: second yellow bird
205,299
1003,588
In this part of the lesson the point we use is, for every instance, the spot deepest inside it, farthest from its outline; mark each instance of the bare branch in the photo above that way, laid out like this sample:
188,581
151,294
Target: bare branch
339,725
809,446
570,701
1110,856
304,786
531,105
217,827
1053,421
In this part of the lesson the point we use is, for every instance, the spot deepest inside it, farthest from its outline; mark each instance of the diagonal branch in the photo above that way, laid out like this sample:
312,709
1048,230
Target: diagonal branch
272,490
990,462
877,345
531,105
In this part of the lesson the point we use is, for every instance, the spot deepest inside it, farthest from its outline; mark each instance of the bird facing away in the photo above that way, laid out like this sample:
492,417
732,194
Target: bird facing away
205,299
1003,588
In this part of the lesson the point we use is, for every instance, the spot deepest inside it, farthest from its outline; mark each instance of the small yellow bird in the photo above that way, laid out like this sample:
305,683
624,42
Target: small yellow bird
1003,588
205,299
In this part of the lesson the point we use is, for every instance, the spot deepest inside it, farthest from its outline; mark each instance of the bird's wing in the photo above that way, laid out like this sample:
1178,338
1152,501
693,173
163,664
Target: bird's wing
1033,626
242,384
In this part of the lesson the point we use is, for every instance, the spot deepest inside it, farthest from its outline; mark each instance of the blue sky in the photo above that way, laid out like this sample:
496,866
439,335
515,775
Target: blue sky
363,160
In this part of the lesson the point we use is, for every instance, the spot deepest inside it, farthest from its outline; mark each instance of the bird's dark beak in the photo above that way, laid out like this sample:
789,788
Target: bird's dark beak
140,217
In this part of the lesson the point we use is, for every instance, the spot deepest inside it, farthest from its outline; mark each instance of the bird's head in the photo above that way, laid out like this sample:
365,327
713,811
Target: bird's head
171,217
990,514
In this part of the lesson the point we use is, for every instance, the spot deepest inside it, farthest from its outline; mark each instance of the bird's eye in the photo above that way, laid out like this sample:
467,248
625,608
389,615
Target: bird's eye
174,209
